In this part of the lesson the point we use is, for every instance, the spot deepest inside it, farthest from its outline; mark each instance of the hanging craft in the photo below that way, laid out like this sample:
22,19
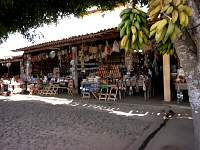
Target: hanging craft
85,48
93,49
59,55
62,52
28,57
107,49
52,54
82,58
72,62
47,56
43,55
38,58
115,47
100,55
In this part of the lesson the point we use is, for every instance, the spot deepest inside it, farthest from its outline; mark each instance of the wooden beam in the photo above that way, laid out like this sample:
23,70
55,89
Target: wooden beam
11,60
166,78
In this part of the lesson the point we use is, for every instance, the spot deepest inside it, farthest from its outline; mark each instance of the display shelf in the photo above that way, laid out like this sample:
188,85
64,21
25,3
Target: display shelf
89,69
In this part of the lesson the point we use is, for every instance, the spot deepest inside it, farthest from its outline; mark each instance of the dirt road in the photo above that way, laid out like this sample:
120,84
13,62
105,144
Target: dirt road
36,125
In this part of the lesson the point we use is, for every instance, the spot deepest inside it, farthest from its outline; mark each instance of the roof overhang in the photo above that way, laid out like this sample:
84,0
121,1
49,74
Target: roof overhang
75,40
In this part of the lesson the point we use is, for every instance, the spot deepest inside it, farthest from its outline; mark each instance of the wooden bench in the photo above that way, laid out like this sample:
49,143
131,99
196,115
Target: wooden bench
49,90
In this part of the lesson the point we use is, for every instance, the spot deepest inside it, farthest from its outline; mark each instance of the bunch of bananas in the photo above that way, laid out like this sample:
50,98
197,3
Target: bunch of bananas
175,16
133,29
166,48
175,10
163,30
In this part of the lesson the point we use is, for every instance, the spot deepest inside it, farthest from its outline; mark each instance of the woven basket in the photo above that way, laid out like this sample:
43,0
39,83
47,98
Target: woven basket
93,49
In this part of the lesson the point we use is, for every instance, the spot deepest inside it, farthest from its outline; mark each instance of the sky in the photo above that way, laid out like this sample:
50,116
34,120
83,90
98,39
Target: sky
65,28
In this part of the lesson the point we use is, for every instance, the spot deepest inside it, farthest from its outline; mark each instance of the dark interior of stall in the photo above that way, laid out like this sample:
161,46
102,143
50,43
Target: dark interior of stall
43,65
178,88
8,71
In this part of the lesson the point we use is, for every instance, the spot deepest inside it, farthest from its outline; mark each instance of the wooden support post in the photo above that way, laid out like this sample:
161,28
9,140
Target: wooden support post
166,77
75,75
21,70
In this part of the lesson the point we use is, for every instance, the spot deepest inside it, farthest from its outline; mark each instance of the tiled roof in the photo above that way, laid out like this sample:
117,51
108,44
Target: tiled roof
103,34
11,59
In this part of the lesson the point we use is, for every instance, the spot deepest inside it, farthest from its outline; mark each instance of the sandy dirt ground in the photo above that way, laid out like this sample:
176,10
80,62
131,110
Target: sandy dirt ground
37,125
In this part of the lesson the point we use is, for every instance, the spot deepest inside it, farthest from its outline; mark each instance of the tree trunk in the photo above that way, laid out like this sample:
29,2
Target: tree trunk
188,50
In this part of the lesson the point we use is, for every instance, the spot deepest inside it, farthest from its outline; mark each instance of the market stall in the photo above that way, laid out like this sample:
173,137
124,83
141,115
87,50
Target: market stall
10,67
108,67
10,71
47,68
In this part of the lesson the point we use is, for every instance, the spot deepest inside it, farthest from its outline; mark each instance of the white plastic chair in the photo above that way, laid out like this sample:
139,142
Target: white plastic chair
113,93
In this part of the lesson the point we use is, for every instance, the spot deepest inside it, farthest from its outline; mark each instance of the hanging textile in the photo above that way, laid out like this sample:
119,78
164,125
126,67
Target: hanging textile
115,47
106,51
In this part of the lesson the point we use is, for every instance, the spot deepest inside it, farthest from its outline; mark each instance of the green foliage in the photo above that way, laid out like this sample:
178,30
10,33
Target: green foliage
23,15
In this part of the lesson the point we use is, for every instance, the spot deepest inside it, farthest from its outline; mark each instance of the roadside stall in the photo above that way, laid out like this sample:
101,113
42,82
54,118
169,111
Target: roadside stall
44,68
95,66
10,72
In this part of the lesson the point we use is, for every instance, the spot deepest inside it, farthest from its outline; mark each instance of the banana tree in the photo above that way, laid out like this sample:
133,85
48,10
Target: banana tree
175,26
188,50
